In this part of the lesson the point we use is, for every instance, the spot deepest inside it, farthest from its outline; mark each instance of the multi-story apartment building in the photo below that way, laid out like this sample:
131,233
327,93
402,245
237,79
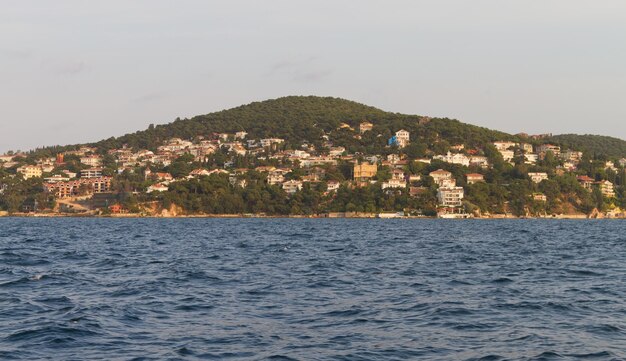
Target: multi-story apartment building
30,171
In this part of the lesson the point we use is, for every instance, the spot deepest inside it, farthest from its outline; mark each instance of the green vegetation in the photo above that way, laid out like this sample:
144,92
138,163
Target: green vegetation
595,145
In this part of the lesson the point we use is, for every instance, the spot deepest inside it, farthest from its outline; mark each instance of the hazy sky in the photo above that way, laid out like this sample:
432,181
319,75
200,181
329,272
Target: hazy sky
76,71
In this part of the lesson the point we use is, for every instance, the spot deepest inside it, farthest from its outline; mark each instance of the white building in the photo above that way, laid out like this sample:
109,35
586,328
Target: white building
267,142
537,177
91,173
91,160
402,138
479,161
292,186
394,183
531,158
504,145
544,148
457,158
157,188
507,155
450,196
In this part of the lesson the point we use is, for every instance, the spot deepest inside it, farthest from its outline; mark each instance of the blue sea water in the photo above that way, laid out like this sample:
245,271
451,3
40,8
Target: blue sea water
312,289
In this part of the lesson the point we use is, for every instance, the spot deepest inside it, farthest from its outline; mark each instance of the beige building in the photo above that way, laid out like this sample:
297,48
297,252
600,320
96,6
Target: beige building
30,171
292,186
606,188
474,178
364,172
365,127
91,173
441,177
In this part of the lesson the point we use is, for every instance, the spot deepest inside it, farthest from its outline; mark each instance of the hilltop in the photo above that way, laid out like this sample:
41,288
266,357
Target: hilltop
300,119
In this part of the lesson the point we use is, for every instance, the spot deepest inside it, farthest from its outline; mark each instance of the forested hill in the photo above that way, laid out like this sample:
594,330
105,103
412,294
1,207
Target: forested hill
300,119
594,144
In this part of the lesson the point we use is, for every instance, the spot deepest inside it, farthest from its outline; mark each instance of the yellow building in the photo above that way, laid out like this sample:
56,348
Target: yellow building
364,172
30,171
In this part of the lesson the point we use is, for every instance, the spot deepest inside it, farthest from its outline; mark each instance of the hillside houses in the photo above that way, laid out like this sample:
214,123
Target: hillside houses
439,177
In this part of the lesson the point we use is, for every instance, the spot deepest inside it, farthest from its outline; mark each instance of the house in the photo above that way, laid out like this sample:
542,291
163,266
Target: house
414,178
265,168
363,172
198,173
540,197
479,161
573,156
365,127
313,161
394,183
610,165
450,196
161,176
441,177
474,178
531,158
393,158
606,188
241,135
402,138
586,181
159,187
504,145
622,162
268,142
416,191
57,178
92,160
543,149
336,151
332,186
457,158
83,186
398,174
91,173
6,158
507,155
537,177
30,171
526,147
274,178
292,186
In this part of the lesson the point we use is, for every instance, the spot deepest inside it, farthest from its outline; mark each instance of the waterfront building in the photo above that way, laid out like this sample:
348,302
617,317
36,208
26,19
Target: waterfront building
450,196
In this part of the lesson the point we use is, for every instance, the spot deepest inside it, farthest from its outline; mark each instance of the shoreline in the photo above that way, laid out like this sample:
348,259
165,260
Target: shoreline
261,216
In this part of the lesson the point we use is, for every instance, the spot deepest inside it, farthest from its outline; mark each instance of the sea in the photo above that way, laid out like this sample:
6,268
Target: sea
312,289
